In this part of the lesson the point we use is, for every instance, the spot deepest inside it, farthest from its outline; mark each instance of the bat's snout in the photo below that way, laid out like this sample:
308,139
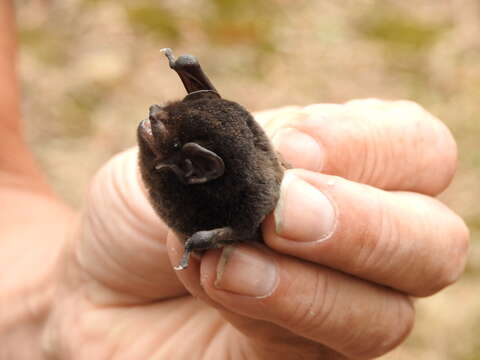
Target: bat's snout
145,131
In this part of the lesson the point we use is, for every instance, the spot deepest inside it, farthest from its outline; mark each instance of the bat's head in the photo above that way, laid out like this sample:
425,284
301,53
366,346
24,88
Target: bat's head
194,137
179,139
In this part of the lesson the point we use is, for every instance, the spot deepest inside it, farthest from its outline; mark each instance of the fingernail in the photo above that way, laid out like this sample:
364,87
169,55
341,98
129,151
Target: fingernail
299,149
246,271
303,213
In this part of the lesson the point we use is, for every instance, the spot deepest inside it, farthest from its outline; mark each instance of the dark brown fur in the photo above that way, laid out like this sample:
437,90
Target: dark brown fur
209,168
241,197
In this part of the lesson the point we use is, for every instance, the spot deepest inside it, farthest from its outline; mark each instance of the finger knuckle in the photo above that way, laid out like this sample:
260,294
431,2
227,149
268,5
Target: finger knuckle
416,113
447,154
283,119
311,311
443,153
409,105
402,325
381,339
459,251
452,268
433,140
377,240
321,108
263,117
316,113
370,103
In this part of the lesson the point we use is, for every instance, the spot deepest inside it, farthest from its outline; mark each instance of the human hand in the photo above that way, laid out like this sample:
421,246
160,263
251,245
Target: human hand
356,234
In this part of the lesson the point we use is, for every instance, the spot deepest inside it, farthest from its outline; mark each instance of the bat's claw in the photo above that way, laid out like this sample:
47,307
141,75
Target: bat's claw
180,267
184,261
169,54
205,240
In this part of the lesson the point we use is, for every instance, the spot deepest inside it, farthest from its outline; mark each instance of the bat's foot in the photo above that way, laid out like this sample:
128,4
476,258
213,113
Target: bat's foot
205,240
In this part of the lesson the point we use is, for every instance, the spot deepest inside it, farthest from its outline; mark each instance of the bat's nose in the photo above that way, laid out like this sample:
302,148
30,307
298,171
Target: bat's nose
145,131
155,126
146,126
152,130
155,110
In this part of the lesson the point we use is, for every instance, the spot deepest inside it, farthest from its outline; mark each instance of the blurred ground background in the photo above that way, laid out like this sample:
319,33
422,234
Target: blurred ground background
90,69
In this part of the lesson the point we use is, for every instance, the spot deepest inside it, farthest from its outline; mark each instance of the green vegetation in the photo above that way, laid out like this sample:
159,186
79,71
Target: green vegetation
154,20
400,31
47,46
75,112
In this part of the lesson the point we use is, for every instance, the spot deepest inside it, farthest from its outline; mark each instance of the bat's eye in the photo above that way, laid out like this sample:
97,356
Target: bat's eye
176,145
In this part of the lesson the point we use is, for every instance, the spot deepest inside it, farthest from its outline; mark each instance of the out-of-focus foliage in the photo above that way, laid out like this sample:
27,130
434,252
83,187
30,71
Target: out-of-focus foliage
400,32
91,68
248,22
47,46
154,19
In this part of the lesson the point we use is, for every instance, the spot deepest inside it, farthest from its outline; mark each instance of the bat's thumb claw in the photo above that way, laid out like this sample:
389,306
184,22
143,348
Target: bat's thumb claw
180,267
184,262
169,54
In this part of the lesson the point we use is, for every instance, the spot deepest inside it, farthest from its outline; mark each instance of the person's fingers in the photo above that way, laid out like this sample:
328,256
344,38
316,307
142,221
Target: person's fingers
308,304
353,317
394,145
407,241
266,116
119,246
270,341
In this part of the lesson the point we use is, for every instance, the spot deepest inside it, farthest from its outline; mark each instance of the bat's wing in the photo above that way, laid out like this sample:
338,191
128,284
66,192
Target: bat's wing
190,72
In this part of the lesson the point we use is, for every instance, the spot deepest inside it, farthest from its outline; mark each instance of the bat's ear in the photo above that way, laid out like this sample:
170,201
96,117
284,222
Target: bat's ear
200,165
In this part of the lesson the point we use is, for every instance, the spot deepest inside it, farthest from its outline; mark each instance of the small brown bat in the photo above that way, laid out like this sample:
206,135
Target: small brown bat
210,170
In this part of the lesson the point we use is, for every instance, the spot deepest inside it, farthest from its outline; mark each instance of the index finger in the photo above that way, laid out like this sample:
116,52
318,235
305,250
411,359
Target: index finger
406,241
393,145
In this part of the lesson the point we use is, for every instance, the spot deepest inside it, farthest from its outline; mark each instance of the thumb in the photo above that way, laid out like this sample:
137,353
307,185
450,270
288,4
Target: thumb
119,245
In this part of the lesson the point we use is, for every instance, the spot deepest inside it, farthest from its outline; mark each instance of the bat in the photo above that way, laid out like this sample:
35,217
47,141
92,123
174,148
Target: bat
210,171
